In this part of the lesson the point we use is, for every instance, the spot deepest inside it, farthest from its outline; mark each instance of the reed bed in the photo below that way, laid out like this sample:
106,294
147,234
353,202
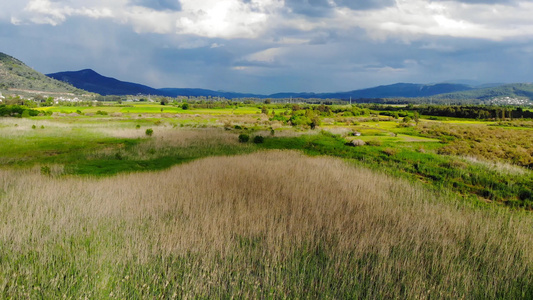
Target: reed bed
273,224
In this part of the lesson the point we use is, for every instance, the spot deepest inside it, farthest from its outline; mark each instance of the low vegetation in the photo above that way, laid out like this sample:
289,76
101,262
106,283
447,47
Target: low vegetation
272,224
263,201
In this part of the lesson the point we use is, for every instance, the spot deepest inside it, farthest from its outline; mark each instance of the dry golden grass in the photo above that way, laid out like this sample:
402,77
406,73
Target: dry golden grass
388,237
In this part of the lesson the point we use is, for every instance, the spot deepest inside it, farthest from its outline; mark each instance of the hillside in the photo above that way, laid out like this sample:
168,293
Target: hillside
91,81
174,92
516,90
407,90
14,74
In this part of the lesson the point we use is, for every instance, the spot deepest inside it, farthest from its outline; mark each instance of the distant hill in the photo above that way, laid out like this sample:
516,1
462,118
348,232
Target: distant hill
94,82
405,90
516,90
174,92
14,74
91,81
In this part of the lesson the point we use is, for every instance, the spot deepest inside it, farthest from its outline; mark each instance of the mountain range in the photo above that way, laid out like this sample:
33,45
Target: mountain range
15,75
92,81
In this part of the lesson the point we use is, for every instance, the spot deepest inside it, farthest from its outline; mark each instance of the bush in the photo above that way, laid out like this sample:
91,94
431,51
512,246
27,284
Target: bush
185,106
137,126
118,156
45,170
149,132
33,126
243,138
357,143
258,139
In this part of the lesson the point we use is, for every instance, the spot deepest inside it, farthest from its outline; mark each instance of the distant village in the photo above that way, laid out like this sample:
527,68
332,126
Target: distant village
93,98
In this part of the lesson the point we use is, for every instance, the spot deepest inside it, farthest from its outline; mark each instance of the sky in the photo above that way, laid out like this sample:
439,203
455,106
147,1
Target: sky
269,46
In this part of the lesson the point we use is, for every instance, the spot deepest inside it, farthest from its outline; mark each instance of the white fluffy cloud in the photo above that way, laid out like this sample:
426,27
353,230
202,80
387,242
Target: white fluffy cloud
226,19
414,19
207,18
56,12
229,19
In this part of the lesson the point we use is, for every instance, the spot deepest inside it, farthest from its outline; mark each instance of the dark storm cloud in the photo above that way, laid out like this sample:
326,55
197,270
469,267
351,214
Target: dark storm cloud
159,4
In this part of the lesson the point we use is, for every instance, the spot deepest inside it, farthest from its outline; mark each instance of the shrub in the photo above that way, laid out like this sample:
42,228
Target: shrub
102,113
185,106
279,118
258,139
42,126
45,170
33,126
138,126
149,132
243,138
357,143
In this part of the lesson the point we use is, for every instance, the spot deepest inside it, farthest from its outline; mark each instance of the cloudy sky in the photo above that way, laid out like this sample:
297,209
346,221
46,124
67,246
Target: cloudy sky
267,46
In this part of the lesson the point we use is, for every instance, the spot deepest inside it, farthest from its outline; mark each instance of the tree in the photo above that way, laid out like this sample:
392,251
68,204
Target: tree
416,117
315,121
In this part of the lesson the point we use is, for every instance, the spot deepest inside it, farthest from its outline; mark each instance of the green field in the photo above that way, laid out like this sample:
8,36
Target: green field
116,201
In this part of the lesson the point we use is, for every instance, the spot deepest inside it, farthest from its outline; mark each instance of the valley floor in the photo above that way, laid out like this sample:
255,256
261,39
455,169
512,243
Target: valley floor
100,207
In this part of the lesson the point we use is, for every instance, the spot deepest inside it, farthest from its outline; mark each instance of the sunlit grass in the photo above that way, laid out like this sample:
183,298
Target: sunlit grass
156,108
92,207
266,225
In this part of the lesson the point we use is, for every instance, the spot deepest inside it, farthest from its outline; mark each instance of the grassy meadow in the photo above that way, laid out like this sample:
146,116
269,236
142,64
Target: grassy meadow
174,205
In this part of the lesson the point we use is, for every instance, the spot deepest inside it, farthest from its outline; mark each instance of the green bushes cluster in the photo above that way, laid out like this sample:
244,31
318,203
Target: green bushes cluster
244,138
17,111
149,132
258,139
